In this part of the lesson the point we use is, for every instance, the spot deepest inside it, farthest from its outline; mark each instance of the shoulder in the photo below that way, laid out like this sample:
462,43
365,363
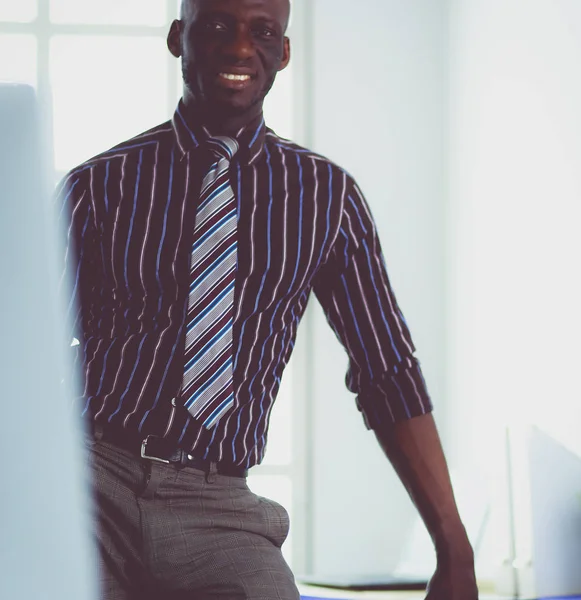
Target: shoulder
128,148
302,155
76,182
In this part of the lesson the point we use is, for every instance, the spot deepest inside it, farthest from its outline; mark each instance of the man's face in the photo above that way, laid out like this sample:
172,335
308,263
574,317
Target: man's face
231,51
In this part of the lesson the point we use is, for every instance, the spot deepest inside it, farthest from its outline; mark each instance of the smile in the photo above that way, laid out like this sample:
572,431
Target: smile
233,77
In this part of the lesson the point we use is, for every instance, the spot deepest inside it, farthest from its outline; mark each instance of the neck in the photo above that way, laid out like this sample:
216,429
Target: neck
217,122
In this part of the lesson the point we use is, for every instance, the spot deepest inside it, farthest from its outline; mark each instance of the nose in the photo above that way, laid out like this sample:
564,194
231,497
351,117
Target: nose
240,46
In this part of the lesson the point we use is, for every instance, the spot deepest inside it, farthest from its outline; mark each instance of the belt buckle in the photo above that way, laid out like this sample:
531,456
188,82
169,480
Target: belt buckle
148,457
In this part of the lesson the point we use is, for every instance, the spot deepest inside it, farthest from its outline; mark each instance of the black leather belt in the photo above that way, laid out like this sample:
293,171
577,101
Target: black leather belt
160,450
157,449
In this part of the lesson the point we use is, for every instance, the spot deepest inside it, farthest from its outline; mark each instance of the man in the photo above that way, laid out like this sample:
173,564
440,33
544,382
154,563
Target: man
194,249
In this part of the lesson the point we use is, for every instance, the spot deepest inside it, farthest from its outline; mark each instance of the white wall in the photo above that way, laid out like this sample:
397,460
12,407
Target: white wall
514,220
481,239
378,102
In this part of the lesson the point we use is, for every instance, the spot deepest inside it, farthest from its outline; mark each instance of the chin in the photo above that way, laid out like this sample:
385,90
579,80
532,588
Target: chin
220,101
230,106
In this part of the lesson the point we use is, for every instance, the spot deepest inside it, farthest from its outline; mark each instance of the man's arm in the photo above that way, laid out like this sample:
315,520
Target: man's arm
74,222
355,292
415,451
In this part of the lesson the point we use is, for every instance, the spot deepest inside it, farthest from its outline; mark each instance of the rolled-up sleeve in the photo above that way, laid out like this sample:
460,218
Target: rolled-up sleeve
354,290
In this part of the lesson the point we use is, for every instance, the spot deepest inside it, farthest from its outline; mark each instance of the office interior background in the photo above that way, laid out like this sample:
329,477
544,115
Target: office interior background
460,120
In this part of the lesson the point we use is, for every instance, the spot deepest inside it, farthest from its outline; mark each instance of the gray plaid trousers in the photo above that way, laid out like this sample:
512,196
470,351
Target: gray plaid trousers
165,533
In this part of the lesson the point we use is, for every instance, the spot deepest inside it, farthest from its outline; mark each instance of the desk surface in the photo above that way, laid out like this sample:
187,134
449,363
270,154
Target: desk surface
308,591
313,592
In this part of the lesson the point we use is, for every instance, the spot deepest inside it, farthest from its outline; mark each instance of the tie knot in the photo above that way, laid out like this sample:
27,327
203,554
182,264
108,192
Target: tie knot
223,147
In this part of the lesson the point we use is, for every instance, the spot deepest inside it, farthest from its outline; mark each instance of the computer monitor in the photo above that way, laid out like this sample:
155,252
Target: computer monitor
45,549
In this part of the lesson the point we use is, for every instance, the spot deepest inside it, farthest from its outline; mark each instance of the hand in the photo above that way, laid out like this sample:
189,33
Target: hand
453,580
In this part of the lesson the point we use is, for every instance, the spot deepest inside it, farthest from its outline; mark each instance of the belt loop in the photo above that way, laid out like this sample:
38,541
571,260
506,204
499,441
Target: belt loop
212,471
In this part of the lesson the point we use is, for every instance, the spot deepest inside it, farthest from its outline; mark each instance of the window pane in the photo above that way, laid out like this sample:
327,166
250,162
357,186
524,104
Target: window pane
110,12
21,68
20,11
278,106
278,488
106,89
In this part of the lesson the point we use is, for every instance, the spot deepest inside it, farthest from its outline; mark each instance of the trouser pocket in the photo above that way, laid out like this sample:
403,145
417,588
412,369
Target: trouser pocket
277,521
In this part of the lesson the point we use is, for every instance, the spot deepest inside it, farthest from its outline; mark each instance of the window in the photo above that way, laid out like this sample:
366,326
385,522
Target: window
114,73
23,47
22,11
89,62
109,12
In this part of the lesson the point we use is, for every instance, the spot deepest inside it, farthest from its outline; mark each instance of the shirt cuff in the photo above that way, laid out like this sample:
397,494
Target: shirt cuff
396,397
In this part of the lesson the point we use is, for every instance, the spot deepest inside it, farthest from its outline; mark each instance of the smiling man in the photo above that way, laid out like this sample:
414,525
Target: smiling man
226,79
193,250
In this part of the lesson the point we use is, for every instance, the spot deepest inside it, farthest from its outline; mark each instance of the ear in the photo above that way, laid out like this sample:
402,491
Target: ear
174,38
286,54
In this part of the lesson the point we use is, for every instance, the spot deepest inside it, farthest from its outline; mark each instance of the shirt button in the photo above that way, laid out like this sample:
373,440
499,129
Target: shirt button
174,402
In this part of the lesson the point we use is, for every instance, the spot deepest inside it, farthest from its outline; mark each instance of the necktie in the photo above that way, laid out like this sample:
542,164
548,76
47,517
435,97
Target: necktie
207,388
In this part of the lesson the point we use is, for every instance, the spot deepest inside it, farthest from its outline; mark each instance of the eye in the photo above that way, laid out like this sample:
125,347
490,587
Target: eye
215,26
264,32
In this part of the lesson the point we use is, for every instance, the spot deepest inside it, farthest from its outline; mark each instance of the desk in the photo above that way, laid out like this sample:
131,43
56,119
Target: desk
312,593
316,593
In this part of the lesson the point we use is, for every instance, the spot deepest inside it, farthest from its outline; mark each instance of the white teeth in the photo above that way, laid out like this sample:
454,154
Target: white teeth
232,77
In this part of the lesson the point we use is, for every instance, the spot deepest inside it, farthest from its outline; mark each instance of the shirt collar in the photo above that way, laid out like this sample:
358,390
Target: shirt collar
191,133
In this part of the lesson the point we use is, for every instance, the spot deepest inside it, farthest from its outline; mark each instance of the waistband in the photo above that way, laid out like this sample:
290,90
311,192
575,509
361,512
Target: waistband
158,449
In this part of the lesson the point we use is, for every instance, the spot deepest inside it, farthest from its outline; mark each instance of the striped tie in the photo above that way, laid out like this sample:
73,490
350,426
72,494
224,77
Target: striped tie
207,388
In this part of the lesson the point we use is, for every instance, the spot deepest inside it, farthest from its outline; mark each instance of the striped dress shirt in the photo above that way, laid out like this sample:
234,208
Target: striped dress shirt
303,226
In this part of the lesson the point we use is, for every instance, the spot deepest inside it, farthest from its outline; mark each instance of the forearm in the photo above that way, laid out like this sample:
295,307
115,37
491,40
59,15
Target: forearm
415,450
